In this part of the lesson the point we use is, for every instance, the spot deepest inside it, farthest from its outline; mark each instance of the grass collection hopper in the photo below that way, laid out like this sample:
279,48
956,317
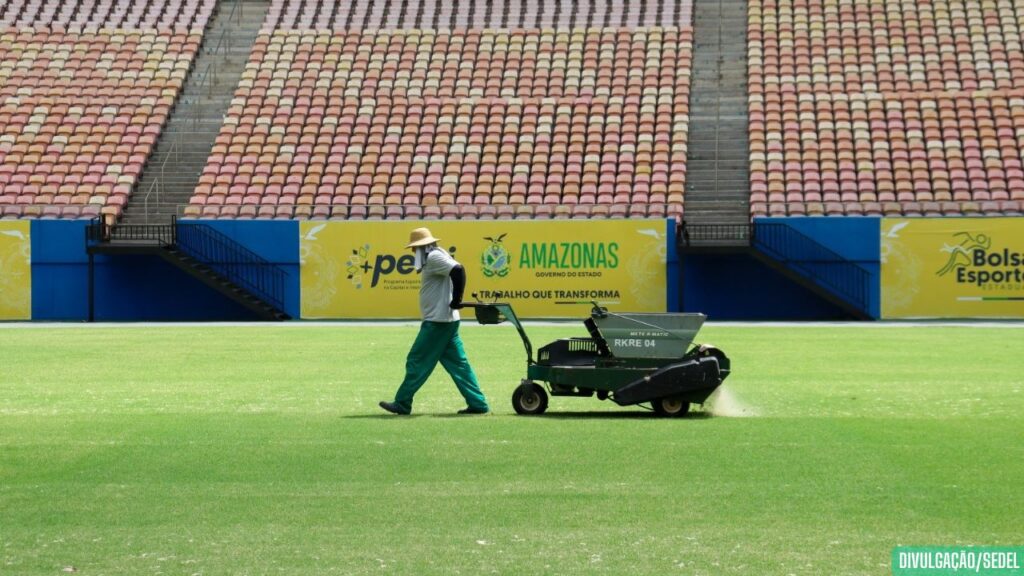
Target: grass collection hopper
630,359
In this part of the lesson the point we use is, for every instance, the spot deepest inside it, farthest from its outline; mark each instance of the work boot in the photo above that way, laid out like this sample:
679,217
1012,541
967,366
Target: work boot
474,411
393,408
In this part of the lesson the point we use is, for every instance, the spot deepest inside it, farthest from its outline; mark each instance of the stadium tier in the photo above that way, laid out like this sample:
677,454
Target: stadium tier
79,114
473,123
85,88
893,107
463,14
78,15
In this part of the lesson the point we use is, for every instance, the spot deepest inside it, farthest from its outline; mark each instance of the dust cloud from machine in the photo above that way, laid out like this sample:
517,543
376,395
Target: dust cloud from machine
723,402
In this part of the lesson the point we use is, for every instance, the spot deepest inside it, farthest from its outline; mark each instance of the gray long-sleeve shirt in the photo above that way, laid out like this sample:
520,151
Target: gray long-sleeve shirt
436,287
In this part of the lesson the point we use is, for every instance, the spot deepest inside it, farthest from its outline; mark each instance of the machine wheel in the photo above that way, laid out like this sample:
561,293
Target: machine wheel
529,399
671,407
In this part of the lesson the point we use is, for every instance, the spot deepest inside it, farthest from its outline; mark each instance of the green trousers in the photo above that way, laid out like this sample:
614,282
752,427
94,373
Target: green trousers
439,342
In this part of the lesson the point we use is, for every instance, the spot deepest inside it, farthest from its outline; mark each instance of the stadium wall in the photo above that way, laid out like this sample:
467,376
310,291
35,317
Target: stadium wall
362,269
15,270
738,286
147,288
144,287
731,286
856,239
952,267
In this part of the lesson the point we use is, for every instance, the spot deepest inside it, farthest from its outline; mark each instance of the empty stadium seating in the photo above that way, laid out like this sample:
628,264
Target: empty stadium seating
885,107
463,14
455,124
890,155
91,15
85,87
79,114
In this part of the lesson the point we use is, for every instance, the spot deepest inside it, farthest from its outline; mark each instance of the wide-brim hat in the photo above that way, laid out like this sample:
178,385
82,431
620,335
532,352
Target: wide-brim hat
420,237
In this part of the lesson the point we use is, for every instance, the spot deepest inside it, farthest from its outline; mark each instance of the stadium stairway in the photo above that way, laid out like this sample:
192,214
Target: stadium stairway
204,253
171,174
797,258
717,181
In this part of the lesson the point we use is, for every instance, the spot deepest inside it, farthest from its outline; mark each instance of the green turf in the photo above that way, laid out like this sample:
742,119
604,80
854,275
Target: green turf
260,450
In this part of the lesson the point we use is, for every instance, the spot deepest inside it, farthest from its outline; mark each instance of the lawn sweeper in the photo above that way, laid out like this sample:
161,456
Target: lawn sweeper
631,359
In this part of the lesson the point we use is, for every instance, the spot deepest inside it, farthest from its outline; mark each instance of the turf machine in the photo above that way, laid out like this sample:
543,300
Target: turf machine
628,358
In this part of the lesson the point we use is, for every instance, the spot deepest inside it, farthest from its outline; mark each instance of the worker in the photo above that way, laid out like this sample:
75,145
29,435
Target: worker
442,283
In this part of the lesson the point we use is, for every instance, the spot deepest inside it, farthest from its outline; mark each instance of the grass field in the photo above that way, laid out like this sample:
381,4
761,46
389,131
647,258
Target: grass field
260,450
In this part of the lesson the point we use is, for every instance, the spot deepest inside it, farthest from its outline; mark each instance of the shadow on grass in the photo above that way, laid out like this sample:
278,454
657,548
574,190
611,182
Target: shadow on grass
578,415
632,415
384,416
422,415
414,415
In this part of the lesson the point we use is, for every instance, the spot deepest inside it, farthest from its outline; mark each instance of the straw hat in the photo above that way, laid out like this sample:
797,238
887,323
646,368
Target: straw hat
420,237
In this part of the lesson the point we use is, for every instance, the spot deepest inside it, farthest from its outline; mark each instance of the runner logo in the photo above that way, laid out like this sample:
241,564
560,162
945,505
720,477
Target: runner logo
962,254
973,260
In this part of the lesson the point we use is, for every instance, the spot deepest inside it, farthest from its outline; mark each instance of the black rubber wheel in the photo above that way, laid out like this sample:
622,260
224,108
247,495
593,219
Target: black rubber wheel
671,407
529,399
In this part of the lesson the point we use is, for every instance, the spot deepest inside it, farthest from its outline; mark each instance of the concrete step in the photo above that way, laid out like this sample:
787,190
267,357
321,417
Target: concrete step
180,158
717,183
730,205
721,155
717,165
740,187
695,215
731,125
714,177
186,141
187,152
736,144
727,204
153,208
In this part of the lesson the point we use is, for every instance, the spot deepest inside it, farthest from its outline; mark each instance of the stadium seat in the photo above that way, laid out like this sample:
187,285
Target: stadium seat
79,15
82,102
427,16
445,121
909,117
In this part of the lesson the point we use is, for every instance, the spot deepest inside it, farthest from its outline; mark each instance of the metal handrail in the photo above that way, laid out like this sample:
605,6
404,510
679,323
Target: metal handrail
698,233
814,261
172,152
233,261
195,102
208,76
172,143
218,251
154,187
235,7
159,234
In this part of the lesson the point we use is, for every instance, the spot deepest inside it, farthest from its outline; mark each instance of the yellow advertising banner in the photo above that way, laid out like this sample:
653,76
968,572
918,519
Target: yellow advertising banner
361,269
952,267
15,270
